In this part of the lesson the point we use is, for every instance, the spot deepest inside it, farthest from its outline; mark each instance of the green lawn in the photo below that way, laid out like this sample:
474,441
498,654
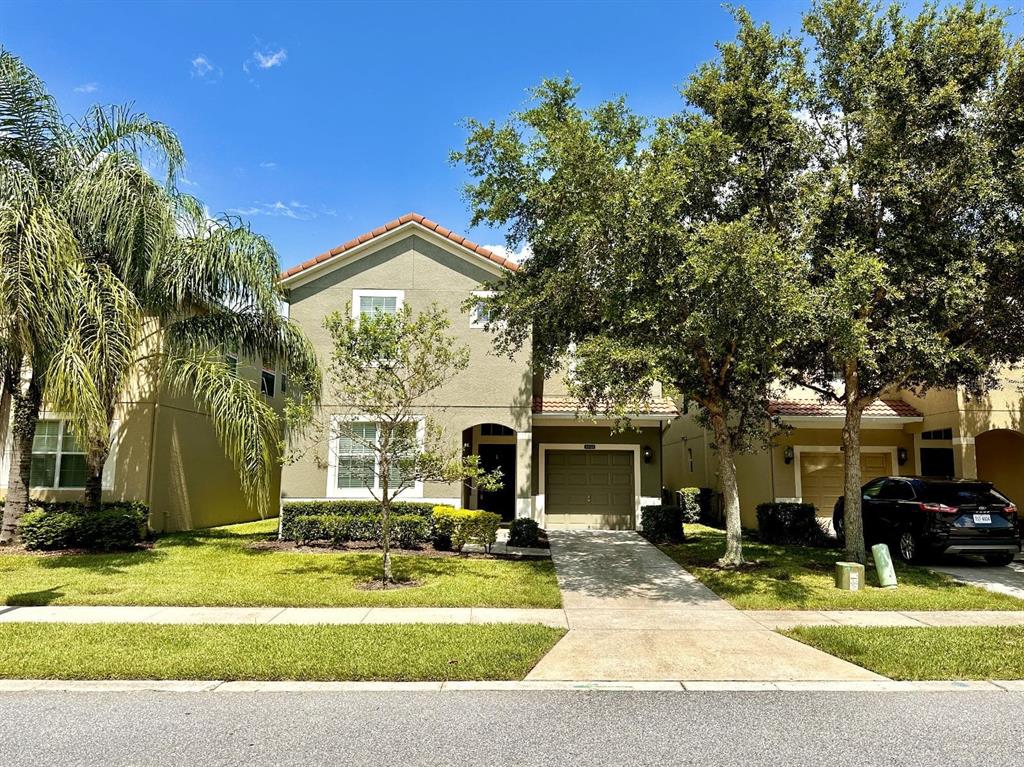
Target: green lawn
216,567
975,652
396,653
801,578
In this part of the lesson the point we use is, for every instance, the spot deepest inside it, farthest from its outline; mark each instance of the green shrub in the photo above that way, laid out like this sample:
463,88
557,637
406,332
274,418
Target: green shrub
113,527
343,508
524,532
789,523
662,524
63,525
454,528
409,530
306,528
42,531
689,502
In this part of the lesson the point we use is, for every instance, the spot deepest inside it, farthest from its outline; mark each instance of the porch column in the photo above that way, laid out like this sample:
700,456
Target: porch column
965,462
524,474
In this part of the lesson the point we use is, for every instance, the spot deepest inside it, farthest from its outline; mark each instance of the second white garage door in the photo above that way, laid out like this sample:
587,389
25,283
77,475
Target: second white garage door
821,476
589,490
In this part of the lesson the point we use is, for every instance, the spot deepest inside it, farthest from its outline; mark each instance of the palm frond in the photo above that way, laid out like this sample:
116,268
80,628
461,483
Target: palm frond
117,128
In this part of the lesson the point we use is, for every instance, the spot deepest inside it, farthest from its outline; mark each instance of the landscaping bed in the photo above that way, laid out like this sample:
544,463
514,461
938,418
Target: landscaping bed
228,566
793,577
974,652
415,652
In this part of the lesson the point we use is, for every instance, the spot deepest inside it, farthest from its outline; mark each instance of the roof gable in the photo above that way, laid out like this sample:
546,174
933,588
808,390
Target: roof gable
409,220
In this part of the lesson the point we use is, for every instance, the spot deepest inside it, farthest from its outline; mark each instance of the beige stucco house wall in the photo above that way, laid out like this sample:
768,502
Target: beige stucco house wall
165,453
498,401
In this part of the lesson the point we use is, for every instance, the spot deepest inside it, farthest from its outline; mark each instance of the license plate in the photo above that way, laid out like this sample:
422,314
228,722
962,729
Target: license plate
983,519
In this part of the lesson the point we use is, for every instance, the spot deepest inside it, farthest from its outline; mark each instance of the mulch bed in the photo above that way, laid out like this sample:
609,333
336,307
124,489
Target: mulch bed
366,547
378,585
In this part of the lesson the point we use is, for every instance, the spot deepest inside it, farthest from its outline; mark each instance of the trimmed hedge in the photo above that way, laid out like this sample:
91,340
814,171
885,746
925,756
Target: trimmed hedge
689,498
662,524
344,508
454,528
64,525
407,530
524,532
789,523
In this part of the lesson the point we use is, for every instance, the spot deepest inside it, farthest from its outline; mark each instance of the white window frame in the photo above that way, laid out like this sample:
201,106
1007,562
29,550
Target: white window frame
333,491
357,296
108,467
474,319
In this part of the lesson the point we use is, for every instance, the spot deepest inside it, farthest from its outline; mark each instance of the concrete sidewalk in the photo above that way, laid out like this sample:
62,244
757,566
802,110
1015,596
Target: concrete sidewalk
634,614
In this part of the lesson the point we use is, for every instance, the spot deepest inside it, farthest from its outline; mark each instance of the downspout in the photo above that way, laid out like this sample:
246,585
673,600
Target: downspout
154,425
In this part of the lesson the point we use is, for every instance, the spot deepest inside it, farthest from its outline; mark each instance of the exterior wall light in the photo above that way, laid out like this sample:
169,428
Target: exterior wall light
647,453
787,454
901,455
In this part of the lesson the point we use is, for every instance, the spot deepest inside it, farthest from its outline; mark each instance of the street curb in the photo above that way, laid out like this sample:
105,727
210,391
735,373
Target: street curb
190,686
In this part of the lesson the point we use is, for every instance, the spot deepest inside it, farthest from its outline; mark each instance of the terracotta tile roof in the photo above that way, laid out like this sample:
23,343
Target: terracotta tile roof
545,405
883,408
426,223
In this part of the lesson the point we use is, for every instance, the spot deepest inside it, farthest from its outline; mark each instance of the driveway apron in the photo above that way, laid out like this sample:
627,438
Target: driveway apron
635,615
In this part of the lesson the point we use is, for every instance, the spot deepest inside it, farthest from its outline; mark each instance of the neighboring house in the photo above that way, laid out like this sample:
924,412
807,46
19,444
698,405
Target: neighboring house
164,453
942,433
562,471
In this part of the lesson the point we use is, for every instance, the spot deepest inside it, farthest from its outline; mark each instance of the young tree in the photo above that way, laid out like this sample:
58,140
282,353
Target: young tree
383,370
663,258
916,241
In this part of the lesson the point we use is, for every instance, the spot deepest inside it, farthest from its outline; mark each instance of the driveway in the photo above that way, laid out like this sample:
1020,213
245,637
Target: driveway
1003,580
634,614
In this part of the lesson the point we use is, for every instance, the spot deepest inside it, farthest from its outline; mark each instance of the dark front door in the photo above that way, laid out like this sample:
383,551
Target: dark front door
501,501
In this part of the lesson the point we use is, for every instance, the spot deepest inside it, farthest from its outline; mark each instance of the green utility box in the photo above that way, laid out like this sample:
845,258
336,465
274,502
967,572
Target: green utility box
849,576
883,565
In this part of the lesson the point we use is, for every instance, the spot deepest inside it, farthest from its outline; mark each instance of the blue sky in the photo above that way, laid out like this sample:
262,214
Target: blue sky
318,122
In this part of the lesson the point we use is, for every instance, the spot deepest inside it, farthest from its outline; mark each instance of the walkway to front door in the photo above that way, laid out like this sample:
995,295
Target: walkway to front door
634,614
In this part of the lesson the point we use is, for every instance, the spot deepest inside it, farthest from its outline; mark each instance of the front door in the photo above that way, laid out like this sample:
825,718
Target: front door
501,501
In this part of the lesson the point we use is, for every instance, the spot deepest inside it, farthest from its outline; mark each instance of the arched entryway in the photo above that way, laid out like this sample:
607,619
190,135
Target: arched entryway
1000,459
495,444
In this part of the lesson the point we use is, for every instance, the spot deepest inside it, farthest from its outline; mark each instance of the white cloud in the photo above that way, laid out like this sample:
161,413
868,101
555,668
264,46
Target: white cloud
267,164
265,59
185,181
87,88
268,60
205,69
293,209
517,256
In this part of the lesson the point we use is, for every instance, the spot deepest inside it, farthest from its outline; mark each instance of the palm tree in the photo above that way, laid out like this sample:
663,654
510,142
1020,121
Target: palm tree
103,270
49,174
214,288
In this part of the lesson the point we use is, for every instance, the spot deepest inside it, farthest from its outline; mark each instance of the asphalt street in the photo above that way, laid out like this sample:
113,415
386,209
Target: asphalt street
404,729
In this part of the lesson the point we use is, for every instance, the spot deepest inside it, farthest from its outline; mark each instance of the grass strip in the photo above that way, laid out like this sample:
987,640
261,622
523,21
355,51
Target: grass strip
414,652
802,578
220,567
974,652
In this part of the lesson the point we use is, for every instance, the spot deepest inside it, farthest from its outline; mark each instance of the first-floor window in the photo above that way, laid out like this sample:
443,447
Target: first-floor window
267,380
358,461
58,459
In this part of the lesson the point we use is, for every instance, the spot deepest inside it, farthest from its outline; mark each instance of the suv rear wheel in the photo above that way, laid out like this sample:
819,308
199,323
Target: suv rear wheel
1001,559
908,548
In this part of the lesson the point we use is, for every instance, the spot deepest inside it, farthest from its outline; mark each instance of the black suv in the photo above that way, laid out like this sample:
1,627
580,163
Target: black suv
918,516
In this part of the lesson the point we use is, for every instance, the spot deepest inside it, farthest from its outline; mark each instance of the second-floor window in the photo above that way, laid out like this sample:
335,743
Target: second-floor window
58,460
480,316
365,302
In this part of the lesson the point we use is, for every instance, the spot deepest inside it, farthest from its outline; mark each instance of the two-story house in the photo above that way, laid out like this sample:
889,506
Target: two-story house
561,470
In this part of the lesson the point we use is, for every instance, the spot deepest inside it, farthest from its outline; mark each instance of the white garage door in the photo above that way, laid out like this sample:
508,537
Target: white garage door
821,476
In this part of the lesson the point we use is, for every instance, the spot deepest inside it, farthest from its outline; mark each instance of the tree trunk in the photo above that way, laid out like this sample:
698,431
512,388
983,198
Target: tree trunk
853,522
26,413
385,516
99,452
733,556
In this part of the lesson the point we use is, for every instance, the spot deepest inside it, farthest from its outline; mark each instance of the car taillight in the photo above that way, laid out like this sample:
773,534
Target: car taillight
1010,508
937,508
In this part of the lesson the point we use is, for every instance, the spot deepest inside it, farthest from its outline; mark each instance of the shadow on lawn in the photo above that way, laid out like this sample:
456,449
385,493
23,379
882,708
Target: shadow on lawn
103,564
35,598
